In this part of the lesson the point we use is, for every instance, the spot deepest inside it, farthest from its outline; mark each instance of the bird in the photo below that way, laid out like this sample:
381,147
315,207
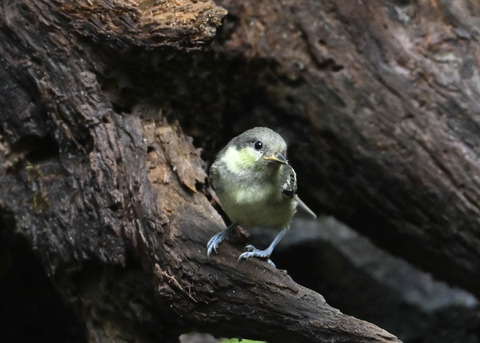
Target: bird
256,187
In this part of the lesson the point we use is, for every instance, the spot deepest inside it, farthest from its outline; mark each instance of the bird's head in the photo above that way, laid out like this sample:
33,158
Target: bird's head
256,149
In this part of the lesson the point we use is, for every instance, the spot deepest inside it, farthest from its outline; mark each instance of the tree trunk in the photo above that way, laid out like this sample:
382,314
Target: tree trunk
377,101
110,192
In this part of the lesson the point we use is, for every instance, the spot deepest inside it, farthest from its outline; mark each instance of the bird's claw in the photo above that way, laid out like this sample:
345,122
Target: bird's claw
250,252
251,248
214,242
254,252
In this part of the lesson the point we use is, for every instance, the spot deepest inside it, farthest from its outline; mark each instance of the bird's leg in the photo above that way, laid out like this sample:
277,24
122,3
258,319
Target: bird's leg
215,241
263,254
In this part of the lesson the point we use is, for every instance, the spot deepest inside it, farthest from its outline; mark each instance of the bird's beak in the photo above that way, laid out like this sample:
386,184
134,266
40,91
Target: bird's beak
277,157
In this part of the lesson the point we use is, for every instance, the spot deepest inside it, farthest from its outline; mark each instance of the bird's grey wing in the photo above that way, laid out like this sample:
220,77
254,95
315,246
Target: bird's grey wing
214,177
289,186
290,189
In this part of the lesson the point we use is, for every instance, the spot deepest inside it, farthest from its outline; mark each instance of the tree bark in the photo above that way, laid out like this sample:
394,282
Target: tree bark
98,175
378,101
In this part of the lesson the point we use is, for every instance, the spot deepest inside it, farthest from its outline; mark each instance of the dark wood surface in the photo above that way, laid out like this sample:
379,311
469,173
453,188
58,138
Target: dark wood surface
377,102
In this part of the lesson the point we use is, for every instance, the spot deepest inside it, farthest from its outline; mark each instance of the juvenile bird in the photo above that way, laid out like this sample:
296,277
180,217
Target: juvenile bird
256,187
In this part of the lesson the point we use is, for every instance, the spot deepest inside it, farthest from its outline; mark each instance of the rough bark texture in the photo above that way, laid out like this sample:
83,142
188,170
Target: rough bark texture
378,101
111,194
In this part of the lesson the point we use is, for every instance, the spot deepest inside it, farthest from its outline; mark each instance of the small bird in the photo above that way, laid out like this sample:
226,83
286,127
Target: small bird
256,187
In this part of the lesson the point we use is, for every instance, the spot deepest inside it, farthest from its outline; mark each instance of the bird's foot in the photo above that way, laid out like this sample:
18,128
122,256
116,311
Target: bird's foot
257,253
215,241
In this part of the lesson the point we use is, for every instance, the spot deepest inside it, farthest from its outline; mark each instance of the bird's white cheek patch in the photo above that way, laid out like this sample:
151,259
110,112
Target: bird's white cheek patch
239,161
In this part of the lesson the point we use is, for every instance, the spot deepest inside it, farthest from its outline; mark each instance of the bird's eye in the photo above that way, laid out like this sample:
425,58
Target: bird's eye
258,145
